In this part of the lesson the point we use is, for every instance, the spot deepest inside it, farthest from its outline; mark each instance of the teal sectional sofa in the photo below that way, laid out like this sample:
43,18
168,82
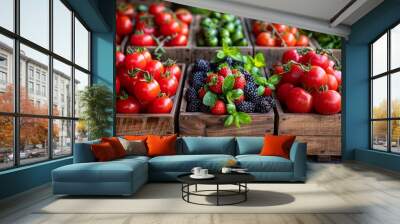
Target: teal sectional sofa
125,176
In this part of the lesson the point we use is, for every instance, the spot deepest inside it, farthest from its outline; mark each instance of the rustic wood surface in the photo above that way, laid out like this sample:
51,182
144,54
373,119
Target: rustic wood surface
208,53
322,145
204,124
160,124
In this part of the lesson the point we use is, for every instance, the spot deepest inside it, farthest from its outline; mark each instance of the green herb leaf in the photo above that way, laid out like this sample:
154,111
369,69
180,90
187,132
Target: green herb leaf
271,86
274,80
260,90
210,98
228,121
220,55
260,80
259,60
244,118
236,121
237,93
231,108
228,84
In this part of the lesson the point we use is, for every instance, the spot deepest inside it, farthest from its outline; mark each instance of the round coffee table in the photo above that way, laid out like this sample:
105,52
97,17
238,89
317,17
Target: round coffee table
238,179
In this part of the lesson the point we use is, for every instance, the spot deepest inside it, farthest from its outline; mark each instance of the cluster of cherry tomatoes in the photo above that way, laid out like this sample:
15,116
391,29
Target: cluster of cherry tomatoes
144,24
143,84
310,82
278,35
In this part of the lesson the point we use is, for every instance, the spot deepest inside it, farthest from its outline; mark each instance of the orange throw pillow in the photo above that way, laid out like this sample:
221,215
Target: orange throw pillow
103,151
135,137
277,145
116,145
161,145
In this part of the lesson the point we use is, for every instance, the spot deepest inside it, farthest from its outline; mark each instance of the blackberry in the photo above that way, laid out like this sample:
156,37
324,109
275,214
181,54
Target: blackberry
247,76
204,108
246,106
194,106
198,79
265,105
250,92
201,65
191,94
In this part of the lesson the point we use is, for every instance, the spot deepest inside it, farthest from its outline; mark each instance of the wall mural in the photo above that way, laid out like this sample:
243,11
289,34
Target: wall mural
197,72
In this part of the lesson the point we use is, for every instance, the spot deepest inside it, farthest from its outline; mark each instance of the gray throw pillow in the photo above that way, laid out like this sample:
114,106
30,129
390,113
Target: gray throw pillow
134,147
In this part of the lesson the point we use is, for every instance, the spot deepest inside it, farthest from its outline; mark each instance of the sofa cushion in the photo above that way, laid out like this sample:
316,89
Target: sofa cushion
208,145
249,145
161,145
83,152
112,171
257,163
185,163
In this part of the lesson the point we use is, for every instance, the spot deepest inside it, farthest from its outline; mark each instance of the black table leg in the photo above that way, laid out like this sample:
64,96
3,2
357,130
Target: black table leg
217,194
195,188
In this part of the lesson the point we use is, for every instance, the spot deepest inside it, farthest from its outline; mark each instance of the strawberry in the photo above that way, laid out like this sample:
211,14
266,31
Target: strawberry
202,92
240,99
240,82
224,70
215,83
267,91
219,108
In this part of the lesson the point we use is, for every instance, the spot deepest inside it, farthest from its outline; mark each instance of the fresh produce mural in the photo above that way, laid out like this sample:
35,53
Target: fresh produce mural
240,76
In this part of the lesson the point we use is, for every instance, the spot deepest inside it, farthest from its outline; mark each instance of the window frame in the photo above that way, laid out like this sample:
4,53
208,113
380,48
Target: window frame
388,74
16,114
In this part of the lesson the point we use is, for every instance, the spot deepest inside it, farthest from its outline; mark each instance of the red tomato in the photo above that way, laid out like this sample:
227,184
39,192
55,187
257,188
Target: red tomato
127,105
128,79
289,39
147,89
156,8
283,91
293,76
332,82
315,78
328,102
184,29
257,27
117,85
146,54
161,105
178,40
125,9
174,70
124,25
302,41
184,16
299,101
338,76
142,25
329,70
265,39
155,68
135,60
163,17
170,28
306,58
168,84
331,63
290,55
320,60
278,69
280,28
293,30
142,39
119,59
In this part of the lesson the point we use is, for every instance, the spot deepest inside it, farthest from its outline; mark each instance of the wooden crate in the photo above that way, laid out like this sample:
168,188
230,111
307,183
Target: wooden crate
274,54
322,133
204,124
181,54
160,124
208,53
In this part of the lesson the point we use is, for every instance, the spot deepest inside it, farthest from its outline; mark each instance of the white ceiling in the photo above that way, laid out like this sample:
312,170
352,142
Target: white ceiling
327,16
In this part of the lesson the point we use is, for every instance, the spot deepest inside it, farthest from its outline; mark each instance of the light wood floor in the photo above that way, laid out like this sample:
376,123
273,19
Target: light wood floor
379,189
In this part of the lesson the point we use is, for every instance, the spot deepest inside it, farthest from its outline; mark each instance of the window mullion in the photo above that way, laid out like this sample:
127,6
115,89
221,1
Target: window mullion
389,104
73,81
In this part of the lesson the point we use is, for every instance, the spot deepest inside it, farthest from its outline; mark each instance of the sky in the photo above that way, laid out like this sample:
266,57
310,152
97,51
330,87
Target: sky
35,27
